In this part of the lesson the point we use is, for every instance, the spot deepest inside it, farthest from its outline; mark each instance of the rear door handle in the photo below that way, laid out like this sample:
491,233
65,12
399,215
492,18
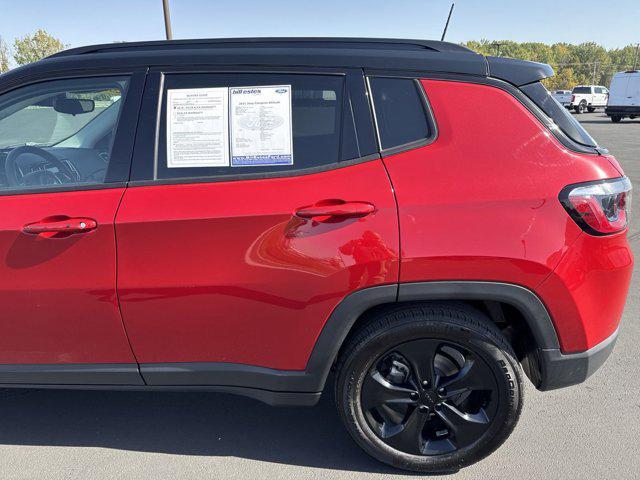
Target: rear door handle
61,225
337,209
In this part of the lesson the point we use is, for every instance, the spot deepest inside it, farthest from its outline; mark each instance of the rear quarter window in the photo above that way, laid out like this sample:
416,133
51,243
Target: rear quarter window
560,115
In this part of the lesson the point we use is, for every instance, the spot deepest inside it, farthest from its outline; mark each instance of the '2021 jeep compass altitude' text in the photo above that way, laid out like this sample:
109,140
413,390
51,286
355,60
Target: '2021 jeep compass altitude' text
249,215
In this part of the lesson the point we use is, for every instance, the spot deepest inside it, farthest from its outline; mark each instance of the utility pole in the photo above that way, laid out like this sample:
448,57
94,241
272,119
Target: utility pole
593,78
635,60
447,24
167,19
497,45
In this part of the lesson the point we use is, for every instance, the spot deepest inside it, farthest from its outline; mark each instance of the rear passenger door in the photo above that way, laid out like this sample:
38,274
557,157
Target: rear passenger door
234,252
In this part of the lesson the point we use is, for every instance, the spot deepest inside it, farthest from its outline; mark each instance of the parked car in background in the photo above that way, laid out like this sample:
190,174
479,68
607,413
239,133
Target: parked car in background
563,97
624,96
249,215
586,98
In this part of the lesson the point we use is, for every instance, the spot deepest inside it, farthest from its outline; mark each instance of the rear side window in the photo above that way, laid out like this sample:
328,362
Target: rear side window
582,90
400,110
560,115
275,123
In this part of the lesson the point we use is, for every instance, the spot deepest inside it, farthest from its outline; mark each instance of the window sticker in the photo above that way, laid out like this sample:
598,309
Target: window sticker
261,130
198,127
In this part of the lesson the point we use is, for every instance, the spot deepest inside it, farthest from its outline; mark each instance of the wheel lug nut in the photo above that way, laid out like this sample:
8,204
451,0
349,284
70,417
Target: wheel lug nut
438,406
413,395
442,391
425,383
423,409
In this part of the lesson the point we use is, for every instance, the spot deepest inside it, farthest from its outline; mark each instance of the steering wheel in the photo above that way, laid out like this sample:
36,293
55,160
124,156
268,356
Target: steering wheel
15,178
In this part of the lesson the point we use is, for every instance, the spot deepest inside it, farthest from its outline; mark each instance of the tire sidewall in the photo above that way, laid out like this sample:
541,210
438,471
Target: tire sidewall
502,364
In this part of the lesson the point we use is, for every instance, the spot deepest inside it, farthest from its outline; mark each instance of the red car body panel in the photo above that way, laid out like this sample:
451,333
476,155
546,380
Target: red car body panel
226,272
458,223
590,284
58,295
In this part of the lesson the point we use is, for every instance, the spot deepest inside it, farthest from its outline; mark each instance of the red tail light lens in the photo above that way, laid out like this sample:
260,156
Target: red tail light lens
599,208
573,98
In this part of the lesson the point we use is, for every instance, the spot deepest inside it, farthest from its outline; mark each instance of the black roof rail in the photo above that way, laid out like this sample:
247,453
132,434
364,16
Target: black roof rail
289,42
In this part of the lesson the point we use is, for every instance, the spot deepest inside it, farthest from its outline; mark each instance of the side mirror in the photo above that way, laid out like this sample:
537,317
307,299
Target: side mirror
73,106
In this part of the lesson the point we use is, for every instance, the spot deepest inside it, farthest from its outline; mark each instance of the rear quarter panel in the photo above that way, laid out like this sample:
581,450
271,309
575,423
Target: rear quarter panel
481,201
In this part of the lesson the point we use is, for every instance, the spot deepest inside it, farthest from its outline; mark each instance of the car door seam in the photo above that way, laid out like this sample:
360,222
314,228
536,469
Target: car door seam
117,290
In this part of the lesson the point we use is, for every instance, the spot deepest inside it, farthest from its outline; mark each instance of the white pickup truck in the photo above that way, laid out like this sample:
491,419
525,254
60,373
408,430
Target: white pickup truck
563,97
588,98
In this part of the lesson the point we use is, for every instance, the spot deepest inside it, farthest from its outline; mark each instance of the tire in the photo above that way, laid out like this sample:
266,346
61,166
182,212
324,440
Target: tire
616,118
467,346
591,109
581,107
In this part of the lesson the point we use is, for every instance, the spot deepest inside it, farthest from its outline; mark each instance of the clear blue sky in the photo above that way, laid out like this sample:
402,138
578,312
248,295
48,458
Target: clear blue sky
79,22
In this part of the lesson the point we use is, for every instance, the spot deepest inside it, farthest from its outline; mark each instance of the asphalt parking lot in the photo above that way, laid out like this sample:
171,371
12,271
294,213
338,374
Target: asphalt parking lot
590,431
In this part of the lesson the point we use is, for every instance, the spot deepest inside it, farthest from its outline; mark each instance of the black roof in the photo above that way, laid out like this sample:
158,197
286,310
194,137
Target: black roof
368,53
286,42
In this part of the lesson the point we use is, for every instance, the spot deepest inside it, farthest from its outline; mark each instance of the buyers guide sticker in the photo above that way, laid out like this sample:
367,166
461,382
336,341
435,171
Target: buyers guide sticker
261,130
198,127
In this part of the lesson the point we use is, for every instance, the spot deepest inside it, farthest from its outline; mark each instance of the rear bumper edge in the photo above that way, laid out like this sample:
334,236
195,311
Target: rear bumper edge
560,370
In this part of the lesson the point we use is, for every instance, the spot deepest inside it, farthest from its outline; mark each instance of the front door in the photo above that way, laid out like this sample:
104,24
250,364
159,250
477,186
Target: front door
259,214
62,173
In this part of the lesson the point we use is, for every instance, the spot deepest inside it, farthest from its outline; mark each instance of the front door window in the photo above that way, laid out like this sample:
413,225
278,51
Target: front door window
59,132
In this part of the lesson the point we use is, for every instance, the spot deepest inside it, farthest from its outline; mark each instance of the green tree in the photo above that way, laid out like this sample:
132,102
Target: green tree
32,48
4,56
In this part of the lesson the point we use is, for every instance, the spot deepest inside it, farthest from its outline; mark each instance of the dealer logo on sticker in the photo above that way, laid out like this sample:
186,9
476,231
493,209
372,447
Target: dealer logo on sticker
246,91
281,90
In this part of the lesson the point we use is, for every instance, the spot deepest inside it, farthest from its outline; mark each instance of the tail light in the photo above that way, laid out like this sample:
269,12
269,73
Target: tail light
573,98
599,208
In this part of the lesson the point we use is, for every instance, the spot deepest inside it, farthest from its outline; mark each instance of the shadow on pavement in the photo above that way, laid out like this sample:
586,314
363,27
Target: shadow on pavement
183,424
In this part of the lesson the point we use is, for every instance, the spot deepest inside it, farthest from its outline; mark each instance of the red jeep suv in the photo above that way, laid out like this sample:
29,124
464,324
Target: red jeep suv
249,215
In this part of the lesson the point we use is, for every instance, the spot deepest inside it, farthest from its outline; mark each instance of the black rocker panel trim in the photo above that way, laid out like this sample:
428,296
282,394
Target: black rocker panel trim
278,399
71,374
220,373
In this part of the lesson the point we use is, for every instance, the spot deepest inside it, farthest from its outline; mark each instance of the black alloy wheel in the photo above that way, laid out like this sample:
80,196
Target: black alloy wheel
428,397
429,387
